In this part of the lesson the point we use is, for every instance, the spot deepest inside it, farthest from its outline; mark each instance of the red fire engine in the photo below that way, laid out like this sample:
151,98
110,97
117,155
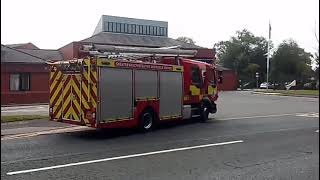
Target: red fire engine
124,87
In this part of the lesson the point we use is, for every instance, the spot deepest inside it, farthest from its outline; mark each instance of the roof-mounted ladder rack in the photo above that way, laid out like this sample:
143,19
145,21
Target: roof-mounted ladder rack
105,50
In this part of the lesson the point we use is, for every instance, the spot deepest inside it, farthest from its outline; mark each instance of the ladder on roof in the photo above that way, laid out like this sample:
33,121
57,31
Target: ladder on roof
135,52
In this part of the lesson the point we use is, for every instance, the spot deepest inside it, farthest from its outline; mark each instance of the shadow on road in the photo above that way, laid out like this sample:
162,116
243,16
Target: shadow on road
102,134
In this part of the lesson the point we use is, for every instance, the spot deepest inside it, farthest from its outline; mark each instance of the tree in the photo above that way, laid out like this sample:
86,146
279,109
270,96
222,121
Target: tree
316,54
186,40
316,59
245,54
290,62
252,68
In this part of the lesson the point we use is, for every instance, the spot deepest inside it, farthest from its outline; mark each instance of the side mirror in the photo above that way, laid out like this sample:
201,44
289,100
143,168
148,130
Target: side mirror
204,77
219,74
220,79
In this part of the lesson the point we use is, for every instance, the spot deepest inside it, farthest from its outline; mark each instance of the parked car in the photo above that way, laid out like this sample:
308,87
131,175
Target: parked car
264,85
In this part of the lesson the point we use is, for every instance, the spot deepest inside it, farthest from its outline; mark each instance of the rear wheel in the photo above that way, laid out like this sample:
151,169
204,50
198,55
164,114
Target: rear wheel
147,121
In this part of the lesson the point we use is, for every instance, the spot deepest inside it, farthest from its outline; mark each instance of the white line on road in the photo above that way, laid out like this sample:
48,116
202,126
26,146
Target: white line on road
123,157
317,131
311,114
263,116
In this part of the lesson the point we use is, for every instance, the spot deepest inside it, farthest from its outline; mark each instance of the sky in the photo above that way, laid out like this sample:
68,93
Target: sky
53,24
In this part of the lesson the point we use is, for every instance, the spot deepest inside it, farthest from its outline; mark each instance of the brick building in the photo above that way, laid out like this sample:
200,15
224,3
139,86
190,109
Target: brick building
25,74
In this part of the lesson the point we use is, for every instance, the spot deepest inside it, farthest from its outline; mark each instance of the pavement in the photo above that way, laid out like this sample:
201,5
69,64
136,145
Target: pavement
282,94
25,110
251,137
32,126
23,127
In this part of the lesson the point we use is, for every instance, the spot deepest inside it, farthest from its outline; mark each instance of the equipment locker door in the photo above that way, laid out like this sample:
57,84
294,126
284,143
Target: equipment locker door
71,109
116,94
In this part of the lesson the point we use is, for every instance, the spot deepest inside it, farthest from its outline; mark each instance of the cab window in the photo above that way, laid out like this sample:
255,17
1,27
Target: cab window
195,76
211,77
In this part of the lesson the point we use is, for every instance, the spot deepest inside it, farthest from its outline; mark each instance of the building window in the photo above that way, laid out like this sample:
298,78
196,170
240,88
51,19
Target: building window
155,30
114,29
133,28
110,26
144,30
126,28
151,30
137,29
20,82
122,27
118,27
161,31
129,28
140,29
165,32
158,31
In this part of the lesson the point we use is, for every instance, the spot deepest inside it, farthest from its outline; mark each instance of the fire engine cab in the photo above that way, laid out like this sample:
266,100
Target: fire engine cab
125,87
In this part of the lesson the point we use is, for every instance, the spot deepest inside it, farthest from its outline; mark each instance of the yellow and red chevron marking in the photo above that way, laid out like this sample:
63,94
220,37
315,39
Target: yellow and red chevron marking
55,93
71,97
89,89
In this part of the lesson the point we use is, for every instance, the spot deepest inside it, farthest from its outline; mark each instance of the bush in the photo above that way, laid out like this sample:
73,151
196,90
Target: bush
311,86
307,86
280,86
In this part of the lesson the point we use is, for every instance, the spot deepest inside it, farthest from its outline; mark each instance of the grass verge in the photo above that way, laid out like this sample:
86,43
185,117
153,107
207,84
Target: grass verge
293,92
22,118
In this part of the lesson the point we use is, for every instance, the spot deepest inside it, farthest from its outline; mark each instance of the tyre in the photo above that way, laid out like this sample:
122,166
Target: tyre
204,113
147,121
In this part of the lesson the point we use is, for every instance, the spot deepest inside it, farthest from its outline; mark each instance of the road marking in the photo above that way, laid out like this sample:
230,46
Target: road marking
317,131
311,114
123,157
263,116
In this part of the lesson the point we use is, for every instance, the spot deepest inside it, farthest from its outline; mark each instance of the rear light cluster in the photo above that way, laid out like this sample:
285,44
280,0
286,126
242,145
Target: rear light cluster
51,112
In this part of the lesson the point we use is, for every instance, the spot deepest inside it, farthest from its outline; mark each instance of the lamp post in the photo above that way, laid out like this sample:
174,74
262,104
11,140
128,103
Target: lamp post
257,77
268,55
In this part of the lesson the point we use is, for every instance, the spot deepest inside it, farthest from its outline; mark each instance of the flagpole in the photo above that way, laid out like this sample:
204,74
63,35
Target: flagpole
268,55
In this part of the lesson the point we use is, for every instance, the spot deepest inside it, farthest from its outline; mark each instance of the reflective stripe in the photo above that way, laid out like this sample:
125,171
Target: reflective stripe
210,90
88,90
55,97
194,90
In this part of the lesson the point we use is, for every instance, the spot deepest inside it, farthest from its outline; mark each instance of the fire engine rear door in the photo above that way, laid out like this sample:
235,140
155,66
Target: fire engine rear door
71,108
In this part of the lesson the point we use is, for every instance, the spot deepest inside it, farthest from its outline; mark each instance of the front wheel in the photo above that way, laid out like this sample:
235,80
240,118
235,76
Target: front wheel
146,121
204,113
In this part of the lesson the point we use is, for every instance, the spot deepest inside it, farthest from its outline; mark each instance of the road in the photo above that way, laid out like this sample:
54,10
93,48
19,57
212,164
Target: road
251,137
